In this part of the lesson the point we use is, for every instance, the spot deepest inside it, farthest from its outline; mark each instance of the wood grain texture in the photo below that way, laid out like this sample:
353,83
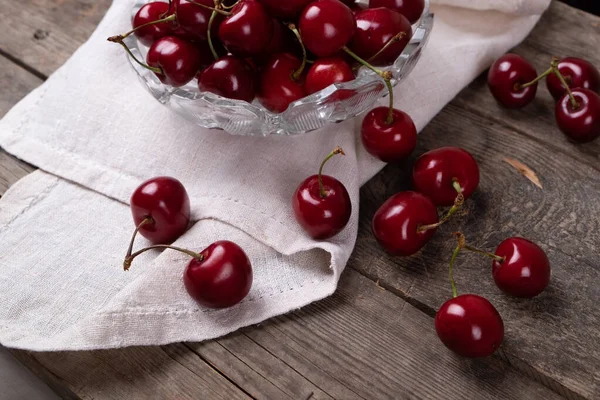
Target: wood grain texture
43,34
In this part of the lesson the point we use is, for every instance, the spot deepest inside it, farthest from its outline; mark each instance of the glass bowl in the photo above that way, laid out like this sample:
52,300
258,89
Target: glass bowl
335,103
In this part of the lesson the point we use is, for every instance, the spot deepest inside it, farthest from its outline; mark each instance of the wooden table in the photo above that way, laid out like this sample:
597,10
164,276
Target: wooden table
375,337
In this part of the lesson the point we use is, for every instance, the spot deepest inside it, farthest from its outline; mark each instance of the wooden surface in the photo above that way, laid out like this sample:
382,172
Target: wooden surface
374,338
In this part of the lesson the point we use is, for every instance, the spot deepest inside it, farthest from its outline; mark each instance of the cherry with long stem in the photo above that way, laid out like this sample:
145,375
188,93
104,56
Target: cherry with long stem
458,203
296,75
552,70
129,259
337,150
385,75
146,221
390,42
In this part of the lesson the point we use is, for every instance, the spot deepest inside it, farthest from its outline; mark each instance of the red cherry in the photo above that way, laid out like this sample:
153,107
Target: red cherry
286,9
578,73
322,211
470,326
166,201
396,223
435,171
248,30
149,13
525,271
325,72
390,143
229,77
277,88
411,9
193,19
505,77
222,278
326,26
178,59
375,28
581,124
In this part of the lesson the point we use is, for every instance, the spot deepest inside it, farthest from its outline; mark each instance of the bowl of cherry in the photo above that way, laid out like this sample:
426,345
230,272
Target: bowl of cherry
262,67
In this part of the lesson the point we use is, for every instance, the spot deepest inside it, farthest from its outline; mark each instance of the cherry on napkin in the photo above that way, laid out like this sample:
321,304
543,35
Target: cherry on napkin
96,134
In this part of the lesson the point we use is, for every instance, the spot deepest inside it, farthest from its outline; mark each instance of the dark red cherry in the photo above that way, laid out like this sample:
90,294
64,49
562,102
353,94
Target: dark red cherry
222,278
578,73
248,30
435,171
323,211
325,72
281,40
178,59
193,19
581,124
229,77
374,28
285,9
411,9
505,78
326,26
389,142
148,13
396,223
525,271
277,89
166,201
470,326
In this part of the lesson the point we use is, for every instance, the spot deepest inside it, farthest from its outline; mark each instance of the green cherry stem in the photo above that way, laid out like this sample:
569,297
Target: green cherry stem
120,38
156,70
217,9
451,266
458,203
146,221
129,259
561,78
385,75
390,42
300,70
462,243
337,150
536,80
209,35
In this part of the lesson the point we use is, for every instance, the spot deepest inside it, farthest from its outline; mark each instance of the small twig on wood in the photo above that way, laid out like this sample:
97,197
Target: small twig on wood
525,171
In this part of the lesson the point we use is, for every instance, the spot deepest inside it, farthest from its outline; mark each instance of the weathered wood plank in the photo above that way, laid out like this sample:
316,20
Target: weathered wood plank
43,34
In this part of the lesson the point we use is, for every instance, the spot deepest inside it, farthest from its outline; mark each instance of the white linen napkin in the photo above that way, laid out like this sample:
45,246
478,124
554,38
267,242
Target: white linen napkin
96,134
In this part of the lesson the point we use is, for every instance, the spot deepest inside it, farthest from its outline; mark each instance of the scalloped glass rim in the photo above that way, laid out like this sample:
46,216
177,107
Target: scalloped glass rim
334,104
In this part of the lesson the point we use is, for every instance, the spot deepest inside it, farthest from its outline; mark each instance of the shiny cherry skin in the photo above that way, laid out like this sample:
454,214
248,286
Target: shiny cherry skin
148,13
374,28
581,124
286,9
193,19
389,143
325,72
248,30
230,77
396,223
277,89
504,78
470,326
326,26
165,200
281,40
178,59
434,172
411,9
525,271
578,73
322,217
222,279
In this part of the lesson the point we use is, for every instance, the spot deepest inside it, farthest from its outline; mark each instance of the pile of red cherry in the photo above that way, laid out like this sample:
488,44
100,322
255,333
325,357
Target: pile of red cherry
573,82
272,50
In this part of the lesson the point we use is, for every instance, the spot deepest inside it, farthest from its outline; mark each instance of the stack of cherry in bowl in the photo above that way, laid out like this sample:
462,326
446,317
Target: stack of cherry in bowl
272,53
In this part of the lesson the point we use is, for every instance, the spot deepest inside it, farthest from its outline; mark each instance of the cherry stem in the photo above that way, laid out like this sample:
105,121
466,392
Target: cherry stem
450,274
519,86
129,259
156,70
231,6
209,35
145,221
561,78
458,203
385,75
390,42
299,71
462,243
120,38
222,12
337,150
